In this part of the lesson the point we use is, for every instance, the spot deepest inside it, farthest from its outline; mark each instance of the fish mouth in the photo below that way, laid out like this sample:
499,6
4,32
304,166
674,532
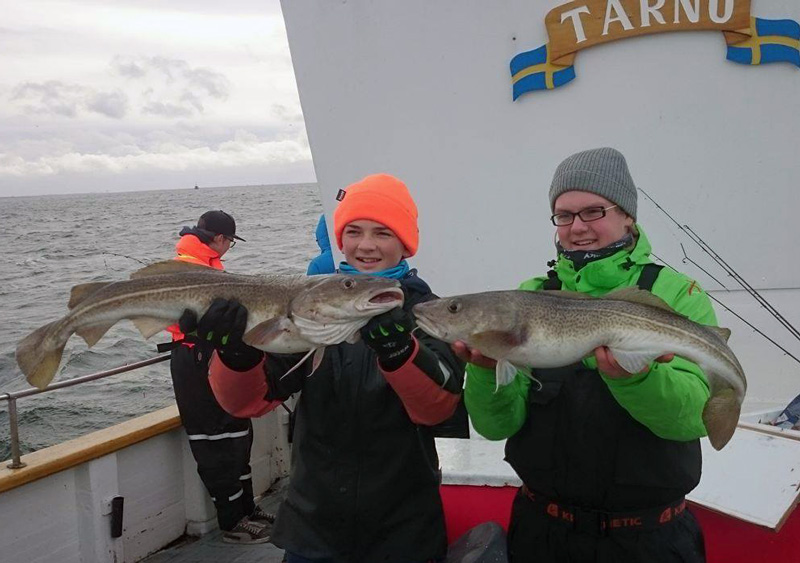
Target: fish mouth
389,296
431,328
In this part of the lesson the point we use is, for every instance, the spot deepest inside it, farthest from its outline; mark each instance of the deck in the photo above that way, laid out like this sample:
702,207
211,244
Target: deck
210,548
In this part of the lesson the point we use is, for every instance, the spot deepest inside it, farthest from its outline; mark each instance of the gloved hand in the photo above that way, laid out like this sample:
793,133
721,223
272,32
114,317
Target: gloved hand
389,334
222,326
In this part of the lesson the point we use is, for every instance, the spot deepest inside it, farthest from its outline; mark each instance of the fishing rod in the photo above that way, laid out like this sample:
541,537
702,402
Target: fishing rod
734,313
128,257
705,247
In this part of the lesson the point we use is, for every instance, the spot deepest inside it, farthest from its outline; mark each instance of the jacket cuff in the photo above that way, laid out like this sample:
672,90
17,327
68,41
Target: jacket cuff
425,401
240,393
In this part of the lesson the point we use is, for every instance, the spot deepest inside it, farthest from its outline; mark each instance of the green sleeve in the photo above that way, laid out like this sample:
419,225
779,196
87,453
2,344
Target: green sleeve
669,399
495,414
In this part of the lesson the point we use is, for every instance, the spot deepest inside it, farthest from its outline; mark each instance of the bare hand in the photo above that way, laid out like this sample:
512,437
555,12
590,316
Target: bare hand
471,355
611,369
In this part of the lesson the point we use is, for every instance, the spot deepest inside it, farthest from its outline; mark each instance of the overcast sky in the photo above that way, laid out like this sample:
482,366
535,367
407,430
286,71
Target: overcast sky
121,95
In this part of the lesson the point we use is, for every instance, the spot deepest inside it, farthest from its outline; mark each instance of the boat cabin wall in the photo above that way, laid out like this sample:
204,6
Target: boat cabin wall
423,90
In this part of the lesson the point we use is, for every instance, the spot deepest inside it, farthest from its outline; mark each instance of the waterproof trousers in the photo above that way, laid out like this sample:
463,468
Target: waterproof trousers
220,443
535,536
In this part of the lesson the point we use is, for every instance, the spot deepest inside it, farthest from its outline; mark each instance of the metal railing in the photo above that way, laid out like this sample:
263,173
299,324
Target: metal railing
16,462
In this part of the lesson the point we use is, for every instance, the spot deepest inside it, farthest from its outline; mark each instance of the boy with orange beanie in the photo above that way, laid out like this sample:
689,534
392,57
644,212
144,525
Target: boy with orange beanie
365,474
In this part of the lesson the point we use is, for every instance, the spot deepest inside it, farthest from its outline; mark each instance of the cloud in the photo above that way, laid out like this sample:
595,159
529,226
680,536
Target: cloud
167,109
111,104
171,87
163,152
54,97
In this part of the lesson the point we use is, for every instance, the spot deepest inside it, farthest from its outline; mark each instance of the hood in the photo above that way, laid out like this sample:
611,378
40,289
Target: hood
190,246
323,240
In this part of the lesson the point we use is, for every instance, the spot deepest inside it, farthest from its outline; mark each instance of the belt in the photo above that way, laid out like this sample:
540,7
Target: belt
601,523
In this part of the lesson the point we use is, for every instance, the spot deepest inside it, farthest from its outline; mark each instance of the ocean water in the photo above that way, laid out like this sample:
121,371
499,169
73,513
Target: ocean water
51,243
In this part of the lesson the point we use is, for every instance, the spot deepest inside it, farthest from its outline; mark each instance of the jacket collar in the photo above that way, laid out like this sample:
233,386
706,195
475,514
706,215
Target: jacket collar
601,276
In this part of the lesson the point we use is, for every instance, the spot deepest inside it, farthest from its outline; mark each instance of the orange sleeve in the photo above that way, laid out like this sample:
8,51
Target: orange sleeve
240,393
424,400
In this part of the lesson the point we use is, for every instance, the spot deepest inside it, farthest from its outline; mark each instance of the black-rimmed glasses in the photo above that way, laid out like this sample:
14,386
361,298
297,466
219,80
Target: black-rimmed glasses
587,215
232,241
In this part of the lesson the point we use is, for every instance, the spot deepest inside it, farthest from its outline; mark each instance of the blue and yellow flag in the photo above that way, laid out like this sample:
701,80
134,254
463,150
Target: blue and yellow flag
771,41
532,70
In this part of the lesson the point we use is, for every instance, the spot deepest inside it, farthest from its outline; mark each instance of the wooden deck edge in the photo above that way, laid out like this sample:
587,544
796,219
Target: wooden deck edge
68,454
771,430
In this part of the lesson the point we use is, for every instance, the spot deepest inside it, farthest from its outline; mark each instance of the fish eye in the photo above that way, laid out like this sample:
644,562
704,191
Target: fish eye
454,306
349,283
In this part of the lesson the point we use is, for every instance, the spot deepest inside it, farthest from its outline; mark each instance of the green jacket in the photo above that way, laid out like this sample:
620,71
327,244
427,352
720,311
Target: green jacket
668,399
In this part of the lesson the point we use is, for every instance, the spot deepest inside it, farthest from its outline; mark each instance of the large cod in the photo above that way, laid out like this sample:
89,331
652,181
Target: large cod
332,307
546,329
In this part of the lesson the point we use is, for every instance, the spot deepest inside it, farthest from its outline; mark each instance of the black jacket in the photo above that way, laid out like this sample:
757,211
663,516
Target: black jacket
365,478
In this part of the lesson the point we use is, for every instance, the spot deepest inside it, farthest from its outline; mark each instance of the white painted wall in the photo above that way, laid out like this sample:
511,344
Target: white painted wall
422,90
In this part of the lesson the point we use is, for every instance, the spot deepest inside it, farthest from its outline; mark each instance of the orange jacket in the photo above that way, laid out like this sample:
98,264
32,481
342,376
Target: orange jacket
190,249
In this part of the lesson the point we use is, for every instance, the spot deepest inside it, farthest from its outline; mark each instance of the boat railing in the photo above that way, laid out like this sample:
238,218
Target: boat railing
11,398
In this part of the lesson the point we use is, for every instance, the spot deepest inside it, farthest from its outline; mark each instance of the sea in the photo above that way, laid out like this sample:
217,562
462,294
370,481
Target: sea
51,243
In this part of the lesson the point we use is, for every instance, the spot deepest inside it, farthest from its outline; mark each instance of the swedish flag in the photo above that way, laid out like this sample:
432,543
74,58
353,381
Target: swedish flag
532,70
771,41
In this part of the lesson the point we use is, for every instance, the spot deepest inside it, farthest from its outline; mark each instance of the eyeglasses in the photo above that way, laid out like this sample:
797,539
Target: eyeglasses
232,241
587,215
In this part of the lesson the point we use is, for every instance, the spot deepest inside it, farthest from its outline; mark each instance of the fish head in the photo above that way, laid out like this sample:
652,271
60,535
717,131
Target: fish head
485,321
337,306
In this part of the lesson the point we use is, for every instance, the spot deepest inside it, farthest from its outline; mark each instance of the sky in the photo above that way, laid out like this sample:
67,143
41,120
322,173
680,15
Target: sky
122,95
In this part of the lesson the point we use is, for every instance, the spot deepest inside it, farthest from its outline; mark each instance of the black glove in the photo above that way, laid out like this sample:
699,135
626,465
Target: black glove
389,335
222,326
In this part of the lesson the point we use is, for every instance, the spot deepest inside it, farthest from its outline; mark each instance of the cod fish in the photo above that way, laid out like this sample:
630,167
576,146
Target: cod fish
334,307
547,329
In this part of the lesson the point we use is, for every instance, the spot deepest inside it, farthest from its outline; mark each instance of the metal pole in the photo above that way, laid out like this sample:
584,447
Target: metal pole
16,463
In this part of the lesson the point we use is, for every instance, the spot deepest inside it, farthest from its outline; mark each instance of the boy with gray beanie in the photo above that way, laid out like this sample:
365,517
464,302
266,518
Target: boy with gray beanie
606,456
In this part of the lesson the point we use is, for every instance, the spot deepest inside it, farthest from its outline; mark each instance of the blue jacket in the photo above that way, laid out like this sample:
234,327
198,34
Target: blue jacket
322,264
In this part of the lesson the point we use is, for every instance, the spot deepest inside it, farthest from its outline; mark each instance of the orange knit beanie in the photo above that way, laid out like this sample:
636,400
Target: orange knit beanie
384,199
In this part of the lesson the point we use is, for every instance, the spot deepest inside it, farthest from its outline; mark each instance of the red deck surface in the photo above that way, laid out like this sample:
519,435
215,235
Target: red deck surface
728,540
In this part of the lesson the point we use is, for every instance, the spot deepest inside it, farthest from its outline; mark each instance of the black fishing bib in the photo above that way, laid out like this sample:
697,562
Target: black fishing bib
578,445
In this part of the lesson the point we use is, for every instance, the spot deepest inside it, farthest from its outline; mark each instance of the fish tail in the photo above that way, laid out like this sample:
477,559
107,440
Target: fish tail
720,417
39,354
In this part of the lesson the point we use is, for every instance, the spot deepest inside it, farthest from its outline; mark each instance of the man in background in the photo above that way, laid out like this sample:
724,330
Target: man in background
220,443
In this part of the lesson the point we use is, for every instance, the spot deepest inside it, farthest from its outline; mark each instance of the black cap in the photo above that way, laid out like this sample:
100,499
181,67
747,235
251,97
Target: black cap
219,223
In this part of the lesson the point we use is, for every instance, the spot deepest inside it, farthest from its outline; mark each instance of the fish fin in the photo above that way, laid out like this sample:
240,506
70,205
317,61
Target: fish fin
318,355
720,417
640,296
505,372
494,337
149,326
39,355
91,334
170,267
528,372
301,362
634,362
81,292
722,332
265,332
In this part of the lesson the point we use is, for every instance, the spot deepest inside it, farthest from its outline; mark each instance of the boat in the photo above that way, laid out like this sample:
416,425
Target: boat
461,101
425,90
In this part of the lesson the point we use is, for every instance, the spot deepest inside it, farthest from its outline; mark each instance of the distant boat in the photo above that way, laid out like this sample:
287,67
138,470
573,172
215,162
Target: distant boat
196,187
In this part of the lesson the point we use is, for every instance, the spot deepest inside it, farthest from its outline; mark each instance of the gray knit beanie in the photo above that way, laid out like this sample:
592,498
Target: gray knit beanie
600,171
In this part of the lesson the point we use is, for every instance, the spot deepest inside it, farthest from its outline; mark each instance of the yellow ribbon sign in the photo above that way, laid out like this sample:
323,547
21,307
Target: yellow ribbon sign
584,23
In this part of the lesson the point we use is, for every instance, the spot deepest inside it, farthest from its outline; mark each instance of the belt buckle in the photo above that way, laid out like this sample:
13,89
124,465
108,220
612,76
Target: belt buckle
591,522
